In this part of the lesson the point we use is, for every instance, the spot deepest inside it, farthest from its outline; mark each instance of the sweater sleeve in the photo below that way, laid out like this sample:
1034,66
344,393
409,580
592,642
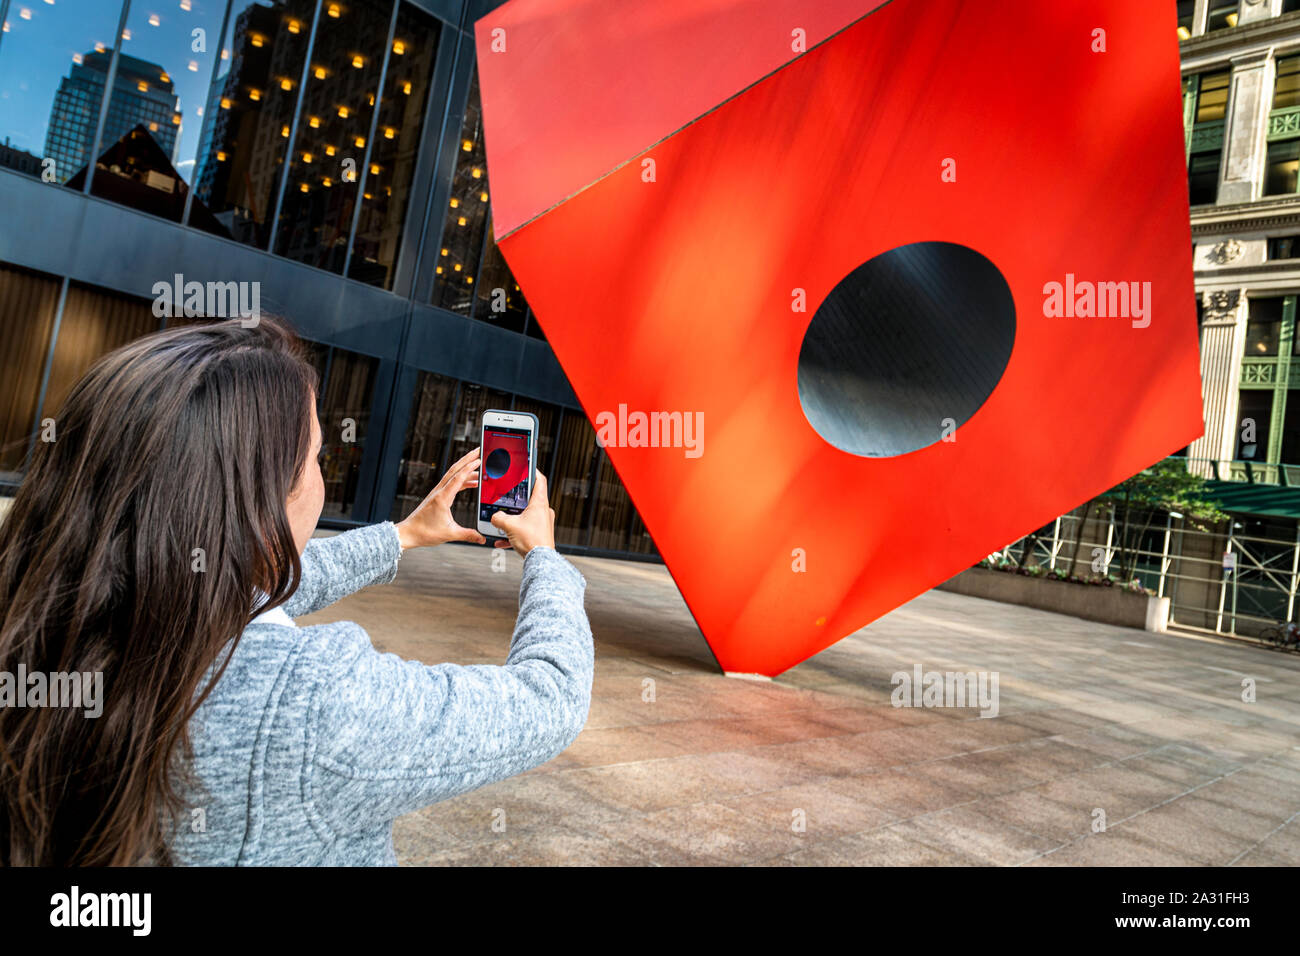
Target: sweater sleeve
334,567
387,736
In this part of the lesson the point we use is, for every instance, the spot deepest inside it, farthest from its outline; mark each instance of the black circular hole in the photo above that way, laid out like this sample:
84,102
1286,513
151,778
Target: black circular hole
907,341
497,463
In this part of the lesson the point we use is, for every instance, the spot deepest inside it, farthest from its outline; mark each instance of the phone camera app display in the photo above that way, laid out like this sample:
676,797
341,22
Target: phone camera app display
503,482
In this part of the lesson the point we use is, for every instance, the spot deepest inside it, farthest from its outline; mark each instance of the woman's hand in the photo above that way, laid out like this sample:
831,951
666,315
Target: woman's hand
533,526
431,523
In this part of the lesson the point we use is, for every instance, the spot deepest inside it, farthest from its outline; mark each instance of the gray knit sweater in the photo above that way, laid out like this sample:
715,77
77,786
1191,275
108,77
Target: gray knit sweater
313,742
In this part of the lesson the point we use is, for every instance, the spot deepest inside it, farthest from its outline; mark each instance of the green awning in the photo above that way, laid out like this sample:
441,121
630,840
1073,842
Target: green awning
1241,497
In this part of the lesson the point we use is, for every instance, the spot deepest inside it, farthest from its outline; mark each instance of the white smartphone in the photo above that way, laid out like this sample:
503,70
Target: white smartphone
507,466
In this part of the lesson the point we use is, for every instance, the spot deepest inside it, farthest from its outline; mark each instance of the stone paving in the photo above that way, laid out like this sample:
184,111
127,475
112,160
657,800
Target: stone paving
819,768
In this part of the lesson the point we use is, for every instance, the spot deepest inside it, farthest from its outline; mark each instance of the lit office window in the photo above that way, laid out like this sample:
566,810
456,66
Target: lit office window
1281,167
575,472
1254,415
467,216
472,275
249,112
329,151
1222,15
27,301
345,401
1186,12
395,148
500,300
1286,89
1212,100
53,66
428,433
611,520
95,321
1207,128
1263,326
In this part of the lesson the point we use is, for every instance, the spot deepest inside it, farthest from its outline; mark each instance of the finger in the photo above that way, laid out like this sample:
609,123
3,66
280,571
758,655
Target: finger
469,534
502,543
468,456
455,481
470,460
455,473
539,493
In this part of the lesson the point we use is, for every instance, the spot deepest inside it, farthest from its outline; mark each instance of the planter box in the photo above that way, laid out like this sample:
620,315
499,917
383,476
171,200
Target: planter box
1090,602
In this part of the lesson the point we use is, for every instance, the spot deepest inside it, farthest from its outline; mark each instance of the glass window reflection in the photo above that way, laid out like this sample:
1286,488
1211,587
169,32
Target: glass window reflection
251,107
1264,326
570,486
156,108
500,300
466,434
345,403
395,148
28,300
467,215
53,67
428,431
338,104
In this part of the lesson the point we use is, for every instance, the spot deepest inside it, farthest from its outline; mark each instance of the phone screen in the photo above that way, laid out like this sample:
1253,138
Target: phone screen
504,471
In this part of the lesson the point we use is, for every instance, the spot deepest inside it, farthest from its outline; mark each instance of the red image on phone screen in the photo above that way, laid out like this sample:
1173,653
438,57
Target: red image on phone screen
503,483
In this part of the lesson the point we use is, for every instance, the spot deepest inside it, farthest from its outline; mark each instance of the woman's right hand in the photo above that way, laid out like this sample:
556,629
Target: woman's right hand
532,527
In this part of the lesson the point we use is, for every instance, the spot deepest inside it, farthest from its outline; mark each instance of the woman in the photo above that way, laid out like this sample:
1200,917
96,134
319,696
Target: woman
163,540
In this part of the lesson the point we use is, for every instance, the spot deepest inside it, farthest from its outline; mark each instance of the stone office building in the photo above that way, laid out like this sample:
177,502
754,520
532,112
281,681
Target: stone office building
1241,86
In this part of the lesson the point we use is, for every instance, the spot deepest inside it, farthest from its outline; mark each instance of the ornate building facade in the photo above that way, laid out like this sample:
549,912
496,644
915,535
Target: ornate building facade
1241,93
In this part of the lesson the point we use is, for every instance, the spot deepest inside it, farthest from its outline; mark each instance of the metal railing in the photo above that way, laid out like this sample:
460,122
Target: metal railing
1221,580
1247,470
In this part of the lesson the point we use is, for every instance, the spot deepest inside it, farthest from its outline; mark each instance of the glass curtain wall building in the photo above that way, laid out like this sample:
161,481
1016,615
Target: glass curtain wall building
329,155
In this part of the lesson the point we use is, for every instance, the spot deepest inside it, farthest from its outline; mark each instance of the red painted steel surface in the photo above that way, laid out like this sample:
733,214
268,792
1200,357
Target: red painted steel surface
675,295
585,84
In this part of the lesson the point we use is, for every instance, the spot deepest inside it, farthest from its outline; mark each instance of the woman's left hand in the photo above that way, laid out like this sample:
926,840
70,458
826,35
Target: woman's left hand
431,523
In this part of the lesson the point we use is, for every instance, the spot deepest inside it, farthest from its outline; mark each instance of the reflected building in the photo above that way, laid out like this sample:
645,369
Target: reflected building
233,117
142,95
19,159
341,149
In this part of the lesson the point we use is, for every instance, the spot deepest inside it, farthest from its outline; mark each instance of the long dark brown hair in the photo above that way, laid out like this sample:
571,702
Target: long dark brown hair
133,548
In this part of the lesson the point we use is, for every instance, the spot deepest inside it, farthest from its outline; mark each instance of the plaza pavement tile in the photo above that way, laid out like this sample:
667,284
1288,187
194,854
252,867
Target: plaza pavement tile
680,765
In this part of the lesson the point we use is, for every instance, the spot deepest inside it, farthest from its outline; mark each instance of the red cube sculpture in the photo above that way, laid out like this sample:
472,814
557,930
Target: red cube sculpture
921,271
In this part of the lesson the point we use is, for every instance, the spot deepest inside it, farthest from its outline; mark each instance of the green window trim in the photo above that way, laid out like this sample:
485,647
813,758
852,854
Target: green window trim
1277,373
1284,123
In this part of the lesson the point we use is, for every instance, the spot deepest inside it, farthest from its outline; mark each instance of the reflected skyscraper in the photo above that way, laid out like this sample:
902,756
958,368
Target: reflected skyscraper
142,95
227,159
